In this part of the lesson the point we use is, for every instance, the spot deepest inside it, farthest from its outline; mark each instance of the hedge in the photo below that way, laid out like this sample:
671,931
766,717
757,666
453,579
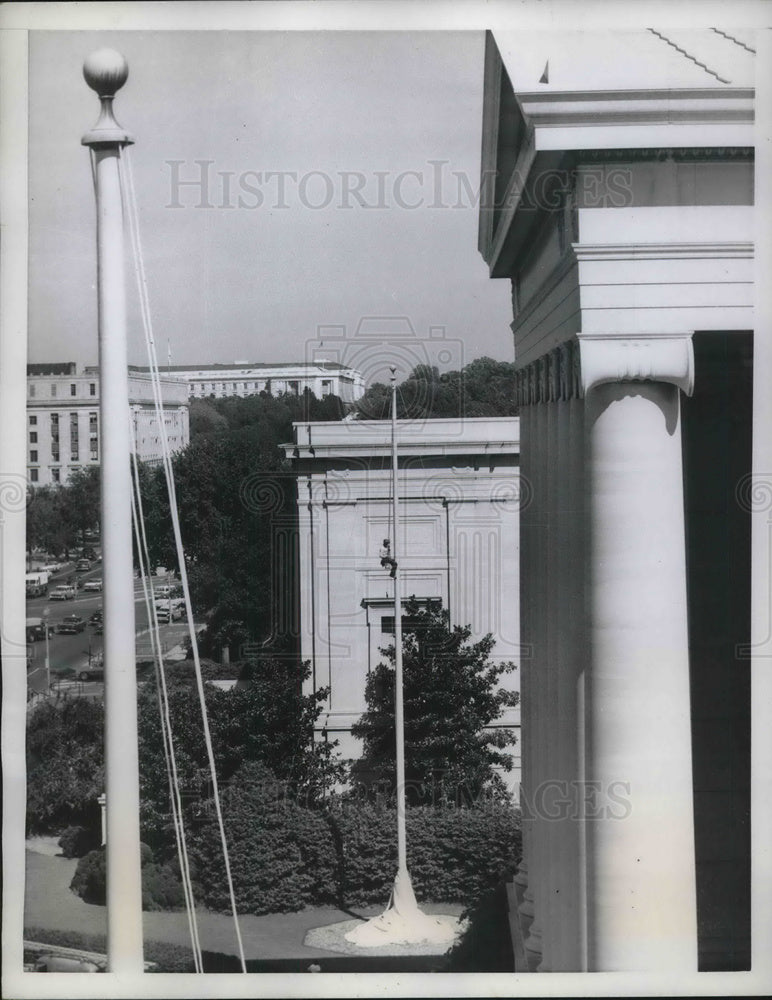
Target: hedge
281,854
285,857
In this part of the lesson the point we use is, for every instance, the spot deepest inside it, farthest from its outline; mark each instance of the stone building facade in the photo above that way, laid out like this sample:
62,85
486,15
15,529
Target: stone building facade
63,419
618,182
460,498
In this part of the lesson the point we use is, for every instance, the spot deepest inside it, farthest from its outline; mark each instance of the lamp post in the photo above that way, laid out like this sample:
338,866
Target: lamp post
106,71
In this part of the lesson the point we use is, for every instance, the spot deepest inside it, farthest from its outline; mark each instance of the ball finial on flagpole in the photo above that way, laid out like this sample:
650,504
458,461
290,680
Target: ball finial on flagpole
105,71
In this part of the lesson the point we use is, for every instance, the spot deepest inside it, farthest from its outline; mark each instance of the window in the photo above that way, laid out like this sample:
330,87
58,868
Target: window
32,391
92,423
33,420
55,475
33,456
387,624
73,389
33,437
92,388
54,451
325,387
74,450
33,475
53,389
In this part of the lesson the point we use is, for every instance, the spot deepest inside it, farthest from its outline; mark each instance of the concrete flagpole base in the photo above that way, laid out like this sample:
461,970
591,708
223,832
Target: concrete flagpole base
403,922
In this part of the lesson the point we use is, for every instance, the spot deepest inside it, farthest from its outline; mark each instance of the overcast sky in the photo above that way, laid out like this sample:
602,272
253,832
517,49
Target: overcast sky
375,138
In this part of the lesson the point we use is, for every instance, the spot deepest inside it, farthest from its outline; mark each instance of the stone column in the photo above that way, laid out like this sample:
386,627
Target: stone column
641,899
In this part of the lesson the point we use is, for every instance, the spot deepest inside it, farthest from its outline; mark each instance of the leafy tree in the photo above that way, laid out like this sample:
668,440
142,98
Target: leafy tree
451,695
483,388
65,758
236,503
266,719
81,497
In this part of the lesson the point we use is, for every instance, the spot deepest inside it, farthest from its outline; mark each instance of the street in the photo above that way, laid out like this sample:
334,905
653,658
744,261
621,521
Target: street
69,654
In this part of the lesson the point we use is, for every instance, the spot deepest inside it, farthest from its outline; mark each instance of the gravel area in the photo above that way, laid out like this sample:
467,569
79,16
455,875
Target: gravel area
332,938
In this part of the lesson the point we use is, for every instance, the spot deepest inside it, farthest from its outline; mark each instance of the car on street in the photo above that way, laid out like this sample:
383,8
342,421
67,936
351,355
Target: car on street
36,629
83,566
71,625
62,592
96,617
92,673
93,585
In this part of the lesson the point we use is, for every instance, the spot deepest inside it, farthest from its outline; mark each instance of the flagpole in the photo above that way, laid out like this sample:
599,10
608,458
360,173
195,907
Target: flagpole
106,71
399,711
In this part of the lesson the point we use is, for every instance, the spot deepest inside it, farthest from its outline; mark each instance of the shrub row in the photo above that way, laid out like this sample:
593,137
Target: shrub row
284,856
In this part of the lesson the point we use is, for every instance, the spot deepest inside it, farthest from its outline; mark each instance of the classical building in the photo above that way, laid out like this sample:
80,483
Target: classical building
247,378
63,419
458,543
618,176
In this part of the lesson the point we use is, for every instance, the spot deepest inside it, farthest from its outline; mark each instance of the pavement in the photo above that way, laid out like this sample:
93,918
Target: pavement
50,905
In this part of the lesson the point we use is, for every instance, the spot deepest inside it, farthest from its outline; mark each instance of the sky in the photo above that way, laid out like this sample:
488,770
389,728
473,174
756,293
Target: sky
332,211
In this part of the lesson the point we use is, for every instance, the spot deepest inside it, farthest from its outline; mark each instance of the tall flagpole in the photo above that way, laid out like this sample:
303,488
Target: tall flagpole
403,922
399,709
106,71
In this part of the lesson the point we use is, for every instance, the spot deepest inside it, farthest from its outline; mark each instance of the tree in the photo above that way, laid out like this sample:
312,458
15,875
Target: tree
65,763
451,695
236,504
483,388
265,719
82,500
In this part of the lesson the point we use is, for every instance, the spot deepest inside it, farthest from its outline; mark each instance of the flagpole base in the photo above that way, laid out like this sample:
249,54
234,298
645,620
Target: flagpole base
402,922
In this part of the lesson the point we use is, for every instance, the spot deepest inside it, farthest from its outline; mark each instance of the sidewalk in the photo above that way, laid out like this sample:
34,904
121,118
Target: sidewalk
49,904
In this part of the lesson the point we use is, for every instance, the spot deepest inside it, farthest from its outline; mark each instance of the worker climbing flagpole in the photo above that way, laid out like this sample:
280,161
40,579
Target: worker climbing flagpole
106,71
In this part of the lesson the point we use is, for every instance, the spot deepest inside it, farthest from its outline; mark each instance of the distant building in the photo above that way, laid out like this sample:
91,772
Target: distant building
63,419
458,546
247,378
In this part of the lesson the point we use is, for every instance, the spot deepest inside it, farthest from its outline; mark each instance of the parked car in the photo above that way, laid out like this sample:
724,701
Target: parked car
63,592
164,614
95,584
71,624
92,673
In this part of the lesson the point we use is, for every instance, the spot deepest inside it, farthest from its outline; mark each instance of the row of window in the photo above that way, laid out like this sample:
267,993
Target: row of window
294,387
74,438
54,389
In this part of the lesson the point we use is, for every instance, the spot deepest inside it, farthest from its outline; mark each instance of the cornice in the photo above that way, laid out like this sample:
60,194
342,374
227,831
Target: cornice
555,109
662,251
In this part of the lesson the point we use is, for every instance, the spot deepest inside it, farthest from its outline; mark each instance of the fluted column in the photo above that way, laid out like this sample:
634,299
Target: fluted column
641,900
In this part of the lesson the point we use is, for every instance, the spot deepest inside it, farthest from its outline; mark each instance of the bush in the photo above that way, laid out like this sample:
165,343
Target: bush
285,856
79,840
90,878
161,885
281,854
454,855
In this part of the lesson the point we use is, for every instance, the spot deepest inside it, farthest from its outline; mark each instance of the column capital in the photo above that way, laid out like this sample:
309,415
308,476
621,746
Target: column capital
647,358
